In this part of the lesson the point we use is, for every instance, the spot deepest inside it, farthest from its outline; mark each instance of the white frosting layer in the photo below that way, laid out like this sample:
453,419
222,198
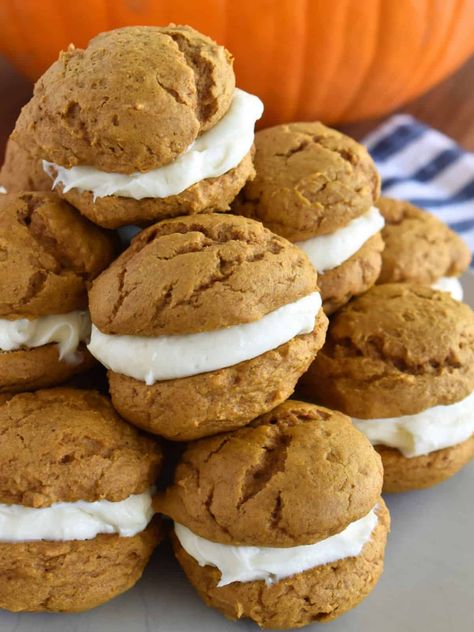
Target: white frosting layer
450,284
212,154
76,521
68,330
329,251
252,563
150,359
432,429
3,190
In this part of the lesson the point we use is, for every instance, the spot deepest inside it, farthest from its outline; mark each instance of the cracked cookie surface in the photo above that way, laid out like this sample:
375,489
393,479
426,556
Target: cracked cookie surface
419,248
296,475
396,350
48,255
133,100
71,445
311,180
194,274
21,171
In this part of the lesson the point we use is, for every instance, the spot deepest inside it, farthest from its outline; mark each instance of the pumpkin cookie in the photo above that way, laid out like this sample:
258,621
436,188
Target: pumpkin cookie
317,188
419,248
205,322
281,522
21,172
400,361
76,525
142,124
48,255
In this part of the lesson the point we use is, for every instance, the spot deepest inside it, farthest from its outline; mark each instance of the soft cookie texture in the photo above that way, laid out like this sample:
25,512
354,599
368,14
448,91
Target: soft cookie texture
320,594
133,100
419,248
191,275
214,194
48,256
71,445
296,475
396,350
402,474
312,180
21,171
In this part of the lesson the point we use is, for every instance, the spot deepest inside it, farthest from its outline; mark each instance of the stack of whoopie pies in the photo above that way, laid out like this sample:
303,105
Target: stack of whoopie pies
207,323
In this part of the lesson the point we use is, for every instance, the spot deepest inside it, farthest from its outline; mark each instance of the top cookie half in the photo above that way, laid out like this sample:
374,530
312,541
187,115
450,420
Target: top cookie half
133,100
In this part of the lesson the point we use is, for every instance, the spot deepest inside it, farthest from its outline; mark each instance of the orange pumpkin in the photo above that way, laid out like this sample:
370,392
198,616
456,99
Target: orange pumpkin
335,60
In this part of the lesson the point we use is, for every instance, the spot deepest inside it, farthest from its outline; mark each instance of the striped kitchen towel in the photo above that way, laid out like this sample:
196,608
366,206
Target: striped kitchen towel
419,164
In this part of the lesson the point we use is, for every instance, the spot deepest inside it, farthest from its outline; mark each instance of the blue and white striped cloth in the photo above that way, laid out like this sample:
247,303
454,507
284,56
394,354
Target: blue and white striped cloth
419,164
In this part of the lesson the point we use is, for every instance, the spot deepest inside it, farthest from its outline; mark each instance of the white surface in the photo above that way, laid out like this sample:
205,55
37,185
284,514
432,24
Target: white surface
212,154
150,359
427,585
251,563
329,251
430,430
79,520
67,330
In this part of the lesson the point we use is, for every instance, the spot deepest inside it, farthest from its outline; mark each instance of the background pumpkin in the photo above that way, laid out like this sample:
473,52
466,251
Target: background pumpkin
335,60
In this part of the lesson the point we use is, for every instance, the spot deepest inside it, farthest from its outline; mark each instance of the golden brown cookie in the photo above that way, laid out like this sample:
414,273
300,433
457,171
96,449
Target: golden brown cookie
296,475
48,254
311,180
194,274
65,445
30,369
320,594
191,275
72,576
71,445
179,409
394,351
133,100
419,248
353,277
21,171
402,474
212,194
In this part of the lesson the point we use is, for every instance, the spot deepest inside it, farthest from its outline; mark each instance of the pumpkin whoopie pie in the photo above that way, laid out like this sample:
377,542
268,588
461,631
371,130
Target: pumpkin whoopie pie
281,522
21,171
318,188
144,123
48,256
400,361
419,248
204,323
76,510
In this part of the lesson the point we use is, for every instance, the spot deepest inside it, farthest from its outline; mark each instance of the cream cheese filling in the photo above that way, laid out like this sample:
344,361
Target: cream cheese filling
67,330
152,359
329,251
433,429
76,520
215,152
253,563
449,284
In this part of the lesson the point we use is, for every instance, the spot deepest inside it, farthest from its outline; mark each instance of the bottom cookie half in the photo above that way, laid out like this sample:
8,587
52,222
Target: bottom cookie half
402,474
218,401
30,369
319,594
72,576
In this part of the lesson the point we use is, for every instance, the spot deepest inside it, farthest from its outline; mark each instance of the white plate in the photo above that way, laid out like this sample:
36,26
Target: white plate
427,586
